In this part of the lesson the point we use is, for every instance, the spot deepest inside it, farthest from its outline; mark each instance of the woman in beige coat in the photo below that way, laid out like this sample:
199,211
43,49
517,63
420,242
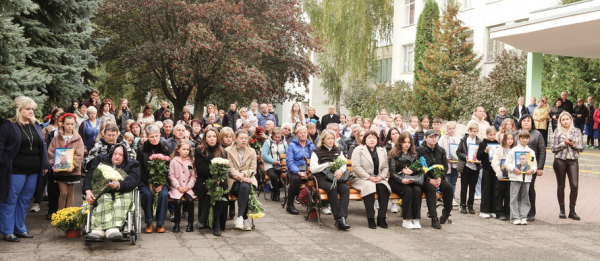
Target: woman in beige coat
369,174
242,162
541,114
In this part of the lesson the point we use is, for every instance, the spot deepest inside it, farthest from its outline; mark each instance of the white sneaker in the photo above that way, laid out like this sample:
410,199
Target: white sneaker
247,225
239,223
517,222
454,203
484,215
35,207
326,210
524,221
416,223
493,215
394,208
477,197
407,223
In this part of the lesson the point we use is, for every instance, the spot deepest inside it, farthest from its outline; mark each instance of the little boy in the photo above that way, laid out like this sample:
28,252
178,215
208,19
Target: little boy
469,170
520,177
436,124
488,178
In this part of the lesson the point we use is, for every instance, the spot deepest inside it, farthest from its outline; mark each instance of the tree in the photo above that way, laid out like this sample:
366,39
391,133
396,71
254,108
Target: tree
576,75
448,57
365,99
221,49
425,27
351,29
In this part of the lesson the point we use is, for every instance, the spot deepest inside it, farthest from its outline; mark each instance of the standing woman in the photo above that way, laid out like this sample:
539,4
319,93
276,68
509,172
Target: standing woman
295,114
89,129
589,125
186,118
271,151
566,145
242,166
555,112
74,107
105,113
323,157
23,161
81,114
210,109
369,174
310,116
67,138
146,116
209,149
297,153
123,114
400,158
53,125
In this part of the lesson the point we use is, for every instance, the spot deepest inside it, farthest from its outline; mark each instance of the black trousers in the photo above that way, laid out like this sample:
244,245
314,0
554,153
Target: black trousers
219,214
411,199
532,195
431,197
274,177
53,193
203,203
468,181
488,186
339,207
190,208
502,200
243,199
294,188
384,197
564,169
544,133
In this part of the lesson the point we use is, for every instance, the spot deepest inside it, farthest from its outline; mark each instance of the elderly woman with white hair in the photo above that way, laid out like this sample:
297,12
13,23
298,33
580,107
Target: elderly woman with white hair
500,118
23,162
90,128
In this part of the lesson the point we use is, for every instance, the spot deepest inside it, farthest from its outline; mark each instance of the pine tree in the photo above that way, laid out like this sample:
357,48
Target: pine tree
425,28
16,77
448,57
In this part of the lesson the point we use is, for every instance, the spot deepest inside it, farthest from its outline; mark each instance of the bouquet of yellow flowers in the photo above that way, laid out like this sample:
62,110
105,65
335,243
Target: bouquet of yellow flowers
68,219
437,171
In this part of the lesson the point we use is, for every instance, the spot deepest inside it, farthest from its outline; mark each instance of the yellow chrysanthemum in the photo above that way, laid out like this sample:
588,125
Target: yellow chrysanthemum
257,215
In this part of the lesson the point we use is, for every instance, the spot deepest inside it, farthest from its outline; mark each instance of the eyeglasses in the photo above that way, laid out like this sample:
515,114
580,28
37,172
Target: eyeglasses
287,129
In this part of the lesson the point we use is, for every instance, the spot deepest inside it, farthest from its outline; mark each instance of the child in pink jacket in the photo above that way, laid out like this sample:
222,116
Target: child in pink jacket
183,178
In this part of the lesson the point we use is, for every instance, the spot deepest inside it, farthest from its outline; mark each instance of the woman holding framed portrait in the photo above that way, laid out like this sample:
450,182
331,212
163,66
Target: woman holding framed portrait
566,145
65,154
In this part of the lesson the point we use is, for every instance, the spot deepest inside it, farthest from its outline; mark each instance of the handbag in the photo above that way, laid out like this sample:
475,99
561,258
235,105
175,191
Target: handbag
235,188
418,179
330,175
276,168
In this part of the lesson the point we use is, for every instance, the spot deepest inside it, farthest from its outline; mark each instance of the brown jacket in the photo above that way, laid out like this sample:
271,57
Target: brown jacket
76,143
364,168
248,166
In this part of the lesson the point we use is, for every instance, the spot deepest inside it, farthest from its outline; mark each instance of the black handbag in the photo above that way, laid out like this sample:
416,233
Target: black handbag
276,168
418,178
330,175
235,188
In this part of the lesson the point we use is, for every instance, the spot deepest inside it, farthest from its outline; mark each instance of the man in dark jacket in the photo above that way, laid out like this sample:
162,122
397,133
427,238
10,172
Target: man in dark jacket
567,105
331,117
519,110
434,154
286,130
272,112
231,117
579,114
158,113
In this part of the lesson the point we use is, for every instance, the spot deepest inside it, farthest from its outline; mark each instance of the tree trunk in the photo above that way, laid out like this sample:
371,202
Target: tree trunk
199,102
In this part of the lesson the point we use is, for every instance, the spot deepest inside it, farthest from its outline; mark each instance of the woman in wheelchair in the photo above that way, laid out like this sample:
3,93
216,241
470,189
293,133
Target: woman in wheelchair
110,211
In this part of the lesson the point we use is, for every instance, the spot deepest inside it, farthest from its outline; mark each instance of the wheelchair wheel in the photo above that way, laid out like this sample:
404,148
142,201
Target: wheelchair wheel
133,237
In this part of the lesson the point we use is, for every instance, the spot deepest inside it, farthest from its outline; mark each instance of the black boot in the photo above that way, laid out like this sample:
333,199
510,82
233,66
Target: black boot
342,224
444,218
463,209
562,214
272,195
471,209
381,222
217,227
231,210
292,210
572,213
435,223
189,228
276,198
176,228
371,222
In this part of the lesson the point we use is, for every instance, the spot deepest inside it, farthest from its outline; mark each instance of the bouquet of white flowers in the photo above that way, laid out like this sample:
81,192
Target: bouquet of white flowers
104,174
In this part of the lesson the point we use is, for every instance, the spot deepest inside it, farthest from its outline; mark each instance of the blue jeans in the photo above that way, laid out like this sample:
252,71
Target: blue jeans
452,178
14,208
147,200
478,186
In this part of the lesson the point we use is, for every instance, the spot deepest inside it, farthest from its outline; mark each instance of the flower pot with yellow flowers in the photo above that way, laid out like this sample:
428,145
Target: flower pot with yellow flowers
69,220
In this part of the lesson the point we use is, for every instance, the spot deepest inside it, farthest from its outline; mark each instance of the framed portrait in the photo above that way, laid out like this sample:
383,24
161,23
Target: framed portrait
523,161
493,147
503,169
452,152
472,152
63,159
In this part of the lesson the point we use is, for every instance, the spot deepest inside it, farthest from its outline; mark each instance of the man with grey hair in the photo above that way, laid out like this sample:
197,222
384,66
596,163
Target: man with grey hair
500,118
265,116
286,130
167,130
567,105
179,134
340,142
331,117
354,129
269,126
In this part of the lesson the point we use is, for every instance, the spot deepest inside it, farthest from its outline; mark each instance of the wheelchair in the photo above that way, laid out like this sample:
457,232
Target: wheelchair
133,223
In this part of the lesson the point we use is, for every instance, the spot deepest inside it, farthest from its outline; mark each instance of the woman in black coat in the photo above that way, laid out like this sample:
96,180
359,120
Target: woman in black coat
23,162
209,149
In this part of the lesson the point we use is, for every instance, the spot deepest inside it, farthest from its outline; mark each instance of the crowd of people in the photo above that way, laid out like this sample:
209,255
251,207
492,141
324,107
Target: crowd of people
505,156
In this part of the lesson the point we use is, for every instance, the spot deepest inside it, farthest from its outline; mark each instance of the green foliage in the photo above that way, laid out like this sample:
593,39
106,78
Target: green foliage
351,29
365,99
580,77
216,192
447,58
425,28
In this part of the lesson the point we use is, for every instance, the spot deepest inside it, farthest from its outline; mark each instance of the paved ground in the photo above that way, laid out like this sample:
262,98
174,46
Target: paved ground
280,236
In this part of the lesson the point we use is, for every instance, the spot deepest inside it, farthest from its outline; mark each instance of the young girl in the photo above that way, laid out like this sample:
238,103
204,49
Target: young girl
448,138
367,124
508,126
183,177
413,125
66,179
502,200
488,178
399,123
468,169
419,135
520,179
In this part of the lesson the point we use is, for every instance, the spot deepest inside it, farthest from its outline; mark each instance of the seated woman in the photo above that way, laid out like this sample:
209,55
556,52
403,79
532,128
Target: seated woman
111,209
298,152
242,161
400,158
369,173
323,157
270,153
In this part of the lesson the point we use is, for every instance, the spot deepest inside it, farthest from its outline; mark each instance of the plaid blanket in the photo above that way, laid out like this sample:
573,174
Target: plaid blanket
111,213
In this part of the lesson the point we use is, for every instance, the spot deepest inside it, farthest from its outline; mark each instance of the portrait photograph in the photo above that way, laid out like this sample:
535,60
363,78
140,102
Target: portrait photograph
523,161
493,147
452,152
472,152
63,159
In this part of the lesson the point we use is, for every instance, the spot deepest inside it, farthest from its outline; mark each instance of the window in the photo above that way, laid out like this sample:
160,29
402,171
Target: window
409,12
494,48
384,71
465,4
409,58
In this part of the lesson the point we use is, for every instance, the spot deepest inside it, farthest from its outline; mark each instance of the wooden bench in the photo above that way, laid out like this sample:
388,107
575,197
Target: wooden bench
230,197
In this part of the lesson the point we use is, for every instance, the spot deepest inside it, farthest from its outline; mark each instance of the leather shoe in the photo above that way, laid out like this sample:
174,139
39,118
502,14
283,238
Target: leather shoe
292,210
24,235
149,229
189,228
175,228
217,231
11,238
381,222
342,224
444,218
201,225
160,229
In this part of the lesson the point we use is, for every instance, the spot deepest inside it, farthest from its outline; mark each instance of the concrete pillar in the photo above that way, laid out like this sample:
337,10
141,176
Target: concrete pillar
535,62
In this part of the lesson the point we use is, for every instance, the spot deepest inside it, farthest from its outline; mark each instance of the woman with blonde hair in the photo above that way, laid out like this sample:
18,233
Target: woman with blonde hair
23,162
541,114
507,126
242,163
